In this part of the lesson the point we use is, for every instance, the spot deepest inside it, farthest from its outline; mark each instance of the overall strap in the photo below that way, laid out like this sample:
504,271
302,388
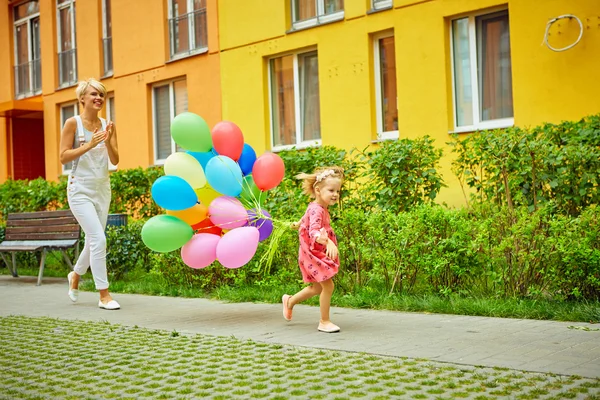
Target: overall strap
80,134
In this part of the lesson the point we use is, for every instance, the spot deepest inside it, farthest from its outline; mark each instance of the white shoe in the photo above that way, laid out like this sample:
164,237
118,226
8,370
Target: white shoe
73,293
111,305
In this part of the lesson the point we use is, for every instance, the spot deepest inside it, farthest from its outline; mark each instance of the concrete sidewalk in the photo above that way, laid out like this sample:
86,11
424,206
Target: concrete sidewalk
528,345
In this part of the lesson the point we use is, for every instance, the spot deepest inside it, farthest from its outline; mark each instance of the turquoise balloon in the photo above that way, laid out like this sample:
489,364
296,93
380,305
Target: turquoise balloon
191,132
173,193
224,175
164,233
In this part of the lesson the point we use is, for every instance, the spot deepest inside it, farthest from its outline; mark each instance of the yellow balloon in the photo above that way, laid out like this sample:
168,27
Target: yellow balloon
191,215
206,194
186,167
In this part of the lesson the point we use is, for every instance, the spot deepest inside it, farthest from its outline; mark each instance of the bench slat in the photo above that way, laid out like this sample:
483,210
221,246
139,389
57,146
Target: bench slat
41,236
38,222
33,245
40,214
41,229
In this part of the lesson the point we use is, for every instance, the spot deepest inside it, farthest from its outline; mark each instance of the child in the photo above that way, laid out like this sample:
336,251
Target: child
318,254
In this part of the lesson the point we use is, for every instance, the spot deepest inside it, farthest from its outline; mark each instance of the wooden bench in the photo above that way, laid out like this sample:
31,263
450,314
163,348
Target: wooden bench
40,231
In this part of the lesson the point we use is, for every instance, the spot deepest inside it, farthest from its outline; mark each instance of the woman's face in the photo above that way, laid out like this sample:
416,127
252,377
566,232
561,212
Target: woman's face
93,98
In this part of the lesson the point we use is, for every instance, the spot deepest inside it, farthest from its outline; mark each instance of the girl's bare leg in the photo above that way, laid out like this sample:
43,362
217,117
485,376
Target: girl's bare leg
305,294
325,300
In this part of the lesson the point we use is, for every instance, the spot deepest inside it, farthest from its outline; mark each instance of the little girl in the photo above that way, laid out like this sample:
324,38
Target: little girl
318,255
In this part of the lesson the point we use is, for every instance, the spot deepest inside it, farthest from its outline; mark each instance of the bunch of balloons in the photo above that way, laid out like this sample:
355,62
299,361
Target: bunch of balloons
213,195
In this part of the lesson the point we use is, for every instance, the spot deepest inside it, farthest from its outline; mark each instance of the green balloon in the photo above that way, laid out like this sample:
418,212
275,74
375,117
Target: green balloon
164,233
251,194
191,132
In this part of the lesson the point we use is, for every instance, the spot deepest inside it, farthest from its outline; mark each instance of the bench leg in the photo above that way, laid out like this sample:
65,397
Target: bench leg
42,262
12,267
67,259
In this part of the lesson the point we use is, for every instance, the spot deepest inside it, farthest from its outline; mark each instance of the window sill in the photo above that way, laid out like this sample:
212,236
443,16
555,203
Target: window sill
195,52
386,137
380,8
498,124
109,74
66,85
27,95
300,146
317,21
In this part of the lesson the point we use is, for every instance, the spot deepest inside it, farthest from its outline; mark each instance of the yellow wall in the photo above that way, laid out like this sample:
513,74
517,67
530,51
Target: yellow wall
547,86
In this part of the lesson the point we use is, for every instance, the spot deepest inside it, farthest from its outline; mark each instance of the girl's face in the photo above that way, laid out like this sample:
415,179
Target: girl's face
328,192
93,98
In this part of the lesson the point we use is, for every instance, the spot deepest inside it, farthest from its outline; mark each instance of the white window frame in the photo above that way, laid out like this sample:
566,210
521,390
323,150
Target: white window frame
26,21
473,56
75,106
105,36
320,18
300,144
110,113
171,84
193,50
68,4
381,134
381,5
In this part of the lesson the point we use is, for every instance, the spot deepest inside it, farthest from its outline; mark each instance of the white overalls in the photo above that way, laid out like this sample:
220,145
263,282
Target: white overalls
88,193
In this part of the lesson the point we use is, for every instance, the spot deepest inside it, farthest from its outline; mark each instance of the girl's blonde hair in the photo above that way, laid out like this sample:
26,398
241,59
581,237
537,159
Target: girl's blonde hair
311,181
83,86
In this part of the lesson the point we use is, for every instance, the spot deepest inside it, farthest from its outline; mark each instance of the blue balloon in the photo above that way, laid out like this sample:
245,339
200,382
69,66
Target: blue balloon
203,157
247,159
173,193
224,175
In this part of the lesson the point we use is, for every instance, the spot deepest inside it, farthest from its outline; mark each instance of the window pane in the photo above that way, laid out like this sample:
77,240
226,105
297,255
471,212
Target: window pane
162,121
178,8
108,18
110,109
495,77
389,98
21,44
199,4
333,6
66,33
181,101
304,9
282,101
26,9
309,96
462,72
63,1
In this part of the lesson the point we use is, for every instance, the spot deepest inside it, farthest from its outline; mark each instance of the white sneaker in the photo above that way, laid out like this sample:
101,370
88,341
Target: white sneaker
111,305
73,293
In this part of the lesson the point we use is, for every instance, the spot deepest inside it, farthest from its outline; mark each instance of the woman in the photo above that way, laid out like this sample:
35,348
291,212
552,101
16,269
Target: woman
89,142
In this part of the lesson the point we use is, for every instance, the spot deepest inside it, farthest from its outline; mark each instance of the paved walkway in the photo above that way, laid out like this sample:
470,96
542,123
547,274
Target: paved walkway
528,345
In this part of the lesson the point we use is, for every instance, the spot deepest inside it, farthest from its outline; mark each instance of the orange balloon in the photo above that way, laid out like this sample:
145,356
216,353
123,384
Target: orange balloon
191,215
206,226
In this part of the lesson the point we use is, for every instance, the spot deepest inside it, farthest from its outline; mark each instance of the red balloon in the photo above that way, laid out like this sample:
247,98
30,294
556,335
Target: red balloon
228,139
206,226
268,171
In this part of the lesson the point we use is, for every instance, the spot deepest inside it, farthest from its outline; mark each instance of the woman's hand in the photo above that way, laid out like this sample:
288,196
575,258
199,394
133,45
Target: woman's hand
109,130
97,138
332,250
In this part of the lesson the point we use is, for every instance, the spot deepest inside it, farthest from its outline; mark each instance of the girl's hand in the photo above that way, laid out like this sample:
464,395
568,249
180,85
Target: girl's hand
332,250
97,138
295,225
323,238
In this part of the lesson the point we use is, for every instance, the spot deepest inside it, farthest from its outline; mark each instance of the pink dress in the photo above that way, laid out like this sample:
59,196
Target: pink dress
314,263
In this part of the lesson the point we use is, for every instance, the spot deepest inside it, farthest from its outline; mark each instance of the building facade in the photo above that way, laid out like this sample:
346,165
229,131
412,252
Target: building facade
292,73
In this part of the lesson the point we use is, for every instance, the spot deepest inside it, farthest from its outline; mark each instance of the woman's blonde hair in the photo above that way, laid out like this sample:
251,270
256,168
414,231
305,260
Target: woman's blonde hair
311,181
83,86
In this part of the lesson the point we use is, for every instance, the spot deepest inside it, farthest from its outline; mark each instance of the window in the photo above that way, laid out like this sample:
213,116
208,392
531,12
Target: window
169,99
306,13
28,71
67,111
482,72
110,116
386,97
67,54
187,27
295,106
382,4
107,37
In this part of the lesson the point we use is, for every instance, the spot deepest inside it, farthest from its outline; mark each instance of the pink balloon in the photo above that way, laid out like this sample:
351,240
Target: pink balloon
228,139
201,250
227,212
237,247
